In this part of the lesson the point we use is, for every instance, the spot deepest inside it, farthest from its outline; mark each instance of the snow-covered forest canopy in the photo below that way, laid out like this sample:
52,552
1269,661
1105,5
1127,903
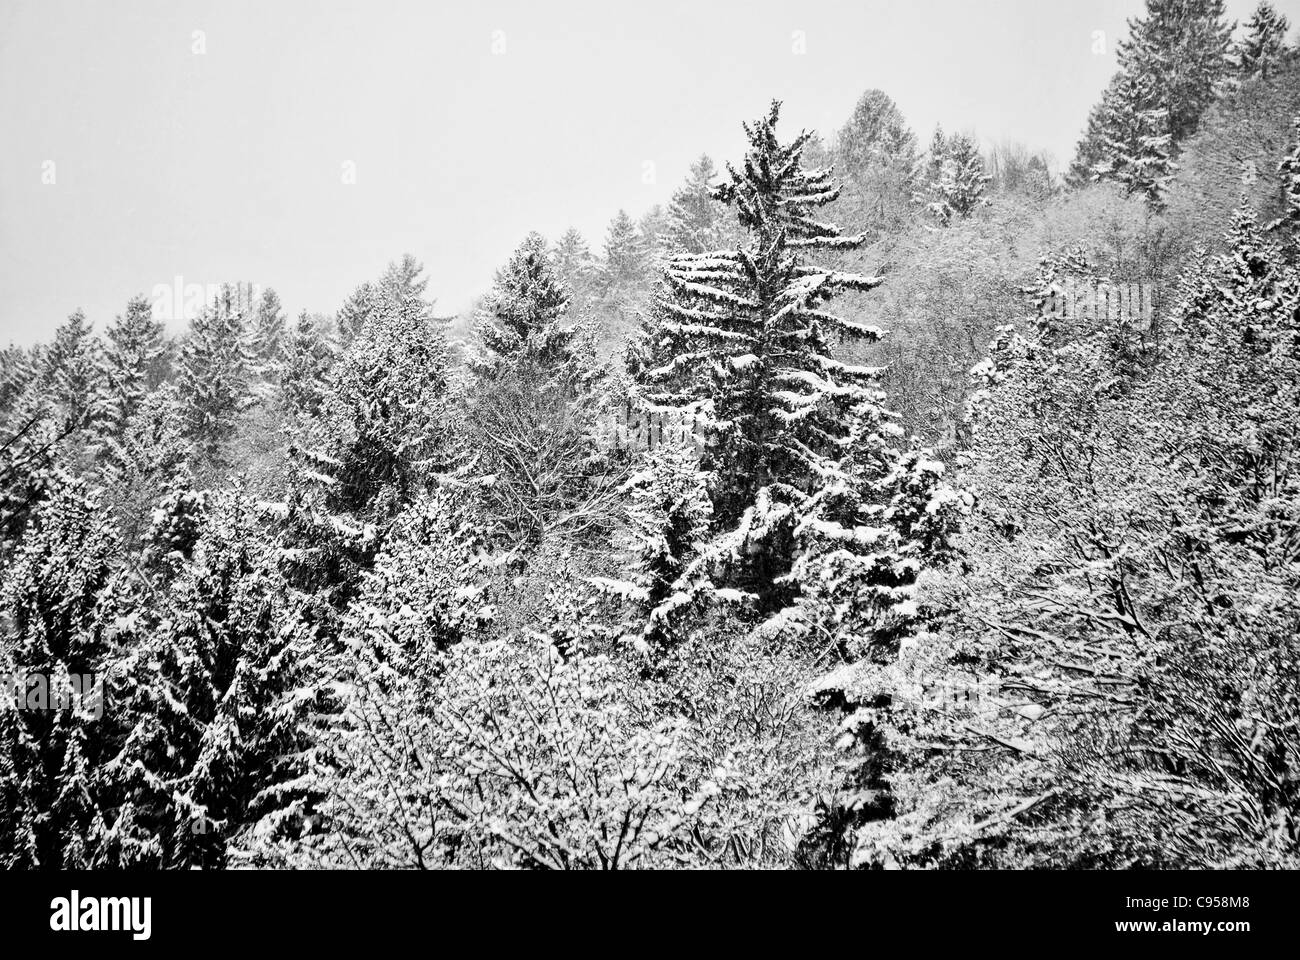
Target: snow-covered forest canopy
809,520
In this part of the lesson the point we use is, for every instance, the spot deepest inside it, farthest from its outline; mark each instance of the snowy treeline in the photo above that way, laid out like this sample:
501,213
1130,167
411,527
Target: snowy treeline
937,576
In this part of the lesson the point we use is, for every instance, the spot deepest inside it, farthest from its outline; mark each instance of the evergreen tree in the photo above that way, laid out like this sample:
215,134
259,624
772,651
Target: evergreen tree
653,227
385,414
1092,150
401,290
738,340
16,371
669,516
877,151
522,312
530,417
1138,143
623,268
1264,46
1171,66
576,268
1183,46
221,686
356,311
696,221
72,373
1289,172
215,368
308,357
56,601
932,168
875,134
148,456
380,439
955,180
267,334
175,525
135,342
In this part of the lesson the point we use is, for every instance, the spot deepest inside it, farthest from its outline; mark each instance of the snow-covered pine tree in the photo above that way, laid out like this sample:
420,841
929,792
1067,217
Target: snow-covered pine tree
380,439
308,356
356,310
16,371
624,266
1264,46
653,227
522,312
27,453
1184,46
402,288
955,179
863,539
932,165
215,368
965,192
135,342
576,269
1174,60
220,685
57,616
696,221
72,375
876,133
175,524
1289,173
148,457
1091,149
63,406
877,151
1138,143
669,516
267,335
738,340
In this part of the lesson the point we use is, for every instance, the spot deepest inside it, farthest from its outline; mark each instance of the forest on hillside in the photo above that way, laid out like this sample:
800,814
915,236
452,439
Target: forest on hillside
807,521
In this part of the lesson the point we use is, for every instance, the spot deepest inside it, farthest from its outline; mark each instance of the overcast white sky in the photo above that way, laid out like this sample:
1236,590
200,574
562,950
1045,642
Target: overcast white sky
228,164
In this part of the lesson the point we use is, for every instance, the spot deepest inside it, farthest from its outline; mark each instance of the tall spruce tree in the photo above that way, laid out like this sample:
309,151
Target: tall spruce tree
623,267
267,334
738,341
356,311
696,222
308,356
1138,142
1092,149
72,373
1264,46
147,458
215,368
220,686
135,342
1289,172
380,438
1184,46
399,291
955,181
876,134
16,371
576,269
402,289
57,645
1177,57
877,151
523,310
